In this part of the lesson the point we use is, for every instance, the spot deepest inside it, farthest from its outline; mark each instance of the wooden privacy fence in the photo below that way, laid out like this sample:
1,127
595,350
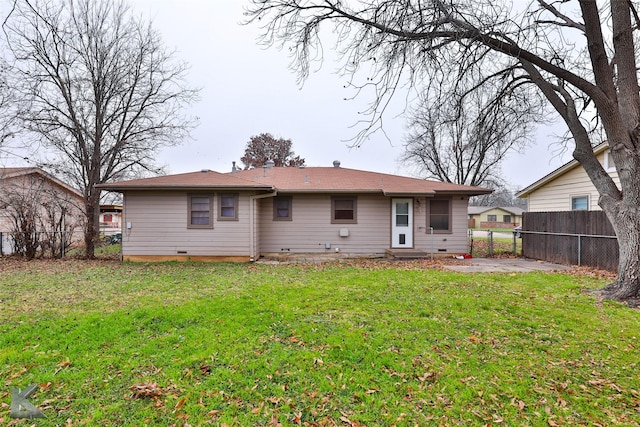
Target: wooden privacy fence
572,238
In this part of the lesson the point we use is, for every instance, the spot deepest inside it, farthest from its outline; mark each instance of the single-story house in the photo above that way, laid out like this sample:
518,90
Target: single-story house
568,187
494,216
44,198
110,219
242,215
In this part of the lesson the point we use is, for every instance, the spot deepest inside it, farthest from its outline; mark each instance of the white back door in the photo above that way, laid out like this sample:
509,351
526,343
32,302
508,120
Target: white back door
402,223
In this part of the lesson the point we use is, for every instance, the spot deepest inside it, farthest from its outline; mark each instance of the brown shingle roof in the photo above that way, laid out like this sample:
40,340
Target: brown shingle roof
300,180
205,179
332,179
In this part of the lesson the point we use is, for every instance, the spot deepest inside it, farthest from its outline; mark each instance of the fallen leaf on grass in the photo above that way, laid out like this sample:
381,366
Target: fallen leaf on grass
145,390
180,404
18,374
518,403
428,376
62,365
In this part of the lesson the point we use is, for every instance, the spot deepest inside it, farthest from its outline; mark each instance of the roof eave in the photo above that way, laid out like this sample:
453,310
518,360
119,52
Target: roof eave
558,172
122,189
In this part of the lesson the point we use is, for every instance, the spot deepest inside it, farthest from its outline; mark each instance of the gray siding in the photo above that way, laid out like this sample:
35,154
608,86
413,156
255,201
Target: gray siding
455,242
159,228
311,229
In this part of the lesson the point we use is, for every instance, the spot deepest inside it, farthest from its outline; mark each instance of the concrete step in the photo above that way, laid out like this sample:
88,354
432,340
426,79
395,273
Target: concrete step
406,254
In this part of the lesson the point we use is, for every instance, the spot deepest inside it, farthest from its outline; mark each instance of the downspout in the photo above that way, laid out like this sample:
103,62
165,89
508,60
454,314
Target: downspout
252,221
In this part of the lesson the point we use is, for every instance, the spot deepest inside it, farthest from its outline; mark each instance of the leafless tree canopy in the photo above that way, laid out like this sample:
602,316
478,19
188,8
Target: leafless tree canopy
579,54
463,138
103,93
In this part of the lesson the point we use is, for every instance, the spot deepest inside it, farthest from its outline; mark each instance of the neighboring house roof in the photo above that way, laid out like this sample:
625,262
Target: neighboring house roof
110,208
477,210
6,173
558,172
300,180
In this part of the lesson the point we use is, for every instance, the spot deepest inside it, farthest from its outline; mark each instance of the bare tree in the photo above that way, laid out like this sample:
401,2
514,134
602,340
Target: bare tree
580,56
264,147
24,226
501,196
463,138
104,94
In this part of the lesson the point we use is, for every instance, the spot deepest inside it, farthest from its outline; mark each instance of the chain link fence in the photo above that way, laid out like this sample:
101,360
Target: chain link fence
490,243
52,244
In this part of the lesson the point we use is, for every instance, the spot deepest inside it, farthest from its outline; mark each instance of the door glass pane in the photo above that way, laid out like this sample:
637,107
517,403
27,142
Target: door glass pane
402,214
402,220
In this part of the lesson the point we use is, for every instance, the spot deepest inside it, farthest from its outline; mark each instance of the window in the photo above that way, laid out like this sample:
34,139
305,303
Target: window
492,218
107,218
580,203
344,210
200,211
506,218
228,207
282,209
440,215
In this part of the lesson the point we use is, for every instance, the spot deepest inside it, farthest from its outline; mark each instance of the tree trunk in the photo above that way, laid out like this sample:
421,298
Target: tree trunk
92,227
627,285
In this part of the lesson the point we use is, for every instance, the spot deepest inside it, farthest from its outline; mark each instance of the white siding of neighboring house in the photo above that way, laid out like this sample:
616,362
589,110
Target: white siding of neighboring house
557,194
159,228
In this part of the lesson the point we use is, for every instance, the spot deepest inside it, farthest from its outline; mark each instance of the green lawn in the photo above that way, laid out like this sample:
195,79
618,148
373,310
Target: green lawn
347,344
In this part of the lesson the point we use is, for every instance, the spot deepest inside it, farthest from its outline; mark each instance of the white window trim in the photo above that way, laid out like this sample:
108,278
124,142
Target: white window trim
580,196
609,166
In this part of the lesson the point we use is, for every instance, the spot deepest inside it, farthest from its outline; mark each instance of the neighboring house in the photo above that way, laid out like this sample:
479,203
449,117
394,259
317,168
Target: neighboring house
37,196
110,219
568,187
494,216
243,215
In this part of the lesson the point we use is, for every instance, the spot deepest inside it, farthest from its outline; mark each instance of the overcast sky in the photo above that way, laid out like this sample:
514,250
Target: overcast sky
248,90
